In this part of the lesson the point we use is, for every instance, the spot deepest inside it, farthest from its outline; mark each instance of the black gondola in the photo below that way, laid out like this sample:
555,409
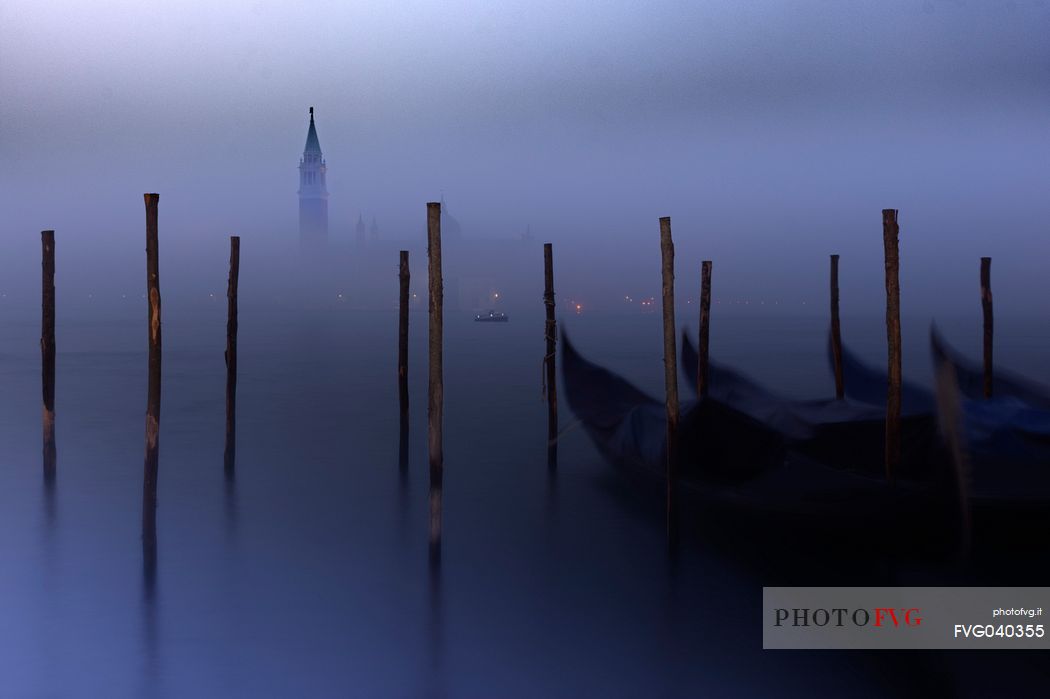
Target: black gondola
729,461
844,433
766,461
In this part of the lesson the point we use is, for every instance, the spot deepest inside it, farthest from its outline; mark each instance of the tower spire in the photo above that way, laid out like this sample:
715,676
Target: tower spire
313,194
313,146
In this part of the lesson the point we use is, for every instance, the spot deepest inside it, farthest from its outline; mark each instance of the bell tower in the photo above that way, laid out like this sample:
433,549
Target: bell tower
313,195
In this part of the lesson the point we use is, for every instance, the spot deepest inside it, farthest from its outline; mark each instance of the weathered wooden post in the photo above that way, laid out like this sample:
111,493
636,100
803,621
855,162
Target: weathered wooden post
47,350
702,379
550,334
402,365
670,368
890,237
402,339
986,307
836,329
436,389
231,354
149,482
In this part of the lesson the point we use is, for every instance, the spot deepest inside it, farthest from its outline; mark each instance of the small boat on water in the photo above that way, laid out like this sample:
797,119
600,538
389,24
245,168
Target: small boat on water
491,317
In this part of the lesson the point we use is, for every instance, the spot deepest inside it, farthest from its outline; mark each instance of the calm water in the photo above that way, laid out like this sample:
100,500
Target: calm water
307,576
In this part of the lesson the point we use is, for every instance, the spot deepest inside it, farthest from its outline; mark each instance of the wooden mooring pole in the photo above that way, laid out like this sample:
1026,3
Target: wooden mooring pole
670,369
404,279
47,351
890,238
402,339
229,458
986,307
149,481
550,334
436,386
702,378
836,330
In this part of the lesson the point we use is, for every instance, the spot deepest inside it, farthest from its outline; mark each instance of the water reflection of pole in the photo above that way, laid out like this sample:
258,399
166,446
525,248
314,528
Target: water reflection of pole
149,481
149,596
47,351
229,456
435,624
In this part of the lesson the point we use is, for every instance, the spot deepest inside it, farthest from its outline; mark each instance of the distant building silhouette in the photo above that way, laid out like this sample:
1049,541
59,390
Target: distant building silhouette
360,233
313,196
360,270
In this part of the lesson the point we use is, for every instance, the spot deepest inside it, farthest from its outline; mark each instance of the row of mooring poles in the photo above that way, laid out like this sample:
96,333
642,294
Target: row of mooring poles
153,395
891,236
671,362
891,232
435,397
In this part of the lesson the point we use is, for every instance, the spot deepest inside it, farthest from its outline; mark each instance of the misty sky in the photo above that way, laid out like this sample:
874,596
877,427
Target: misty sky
772,132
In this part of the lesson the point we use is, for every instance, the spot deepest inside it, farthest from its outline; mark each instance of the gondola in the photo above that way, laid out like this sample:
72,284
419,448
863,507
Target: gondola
969,377
729,461
867,385
737,467
1007,436
843,433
